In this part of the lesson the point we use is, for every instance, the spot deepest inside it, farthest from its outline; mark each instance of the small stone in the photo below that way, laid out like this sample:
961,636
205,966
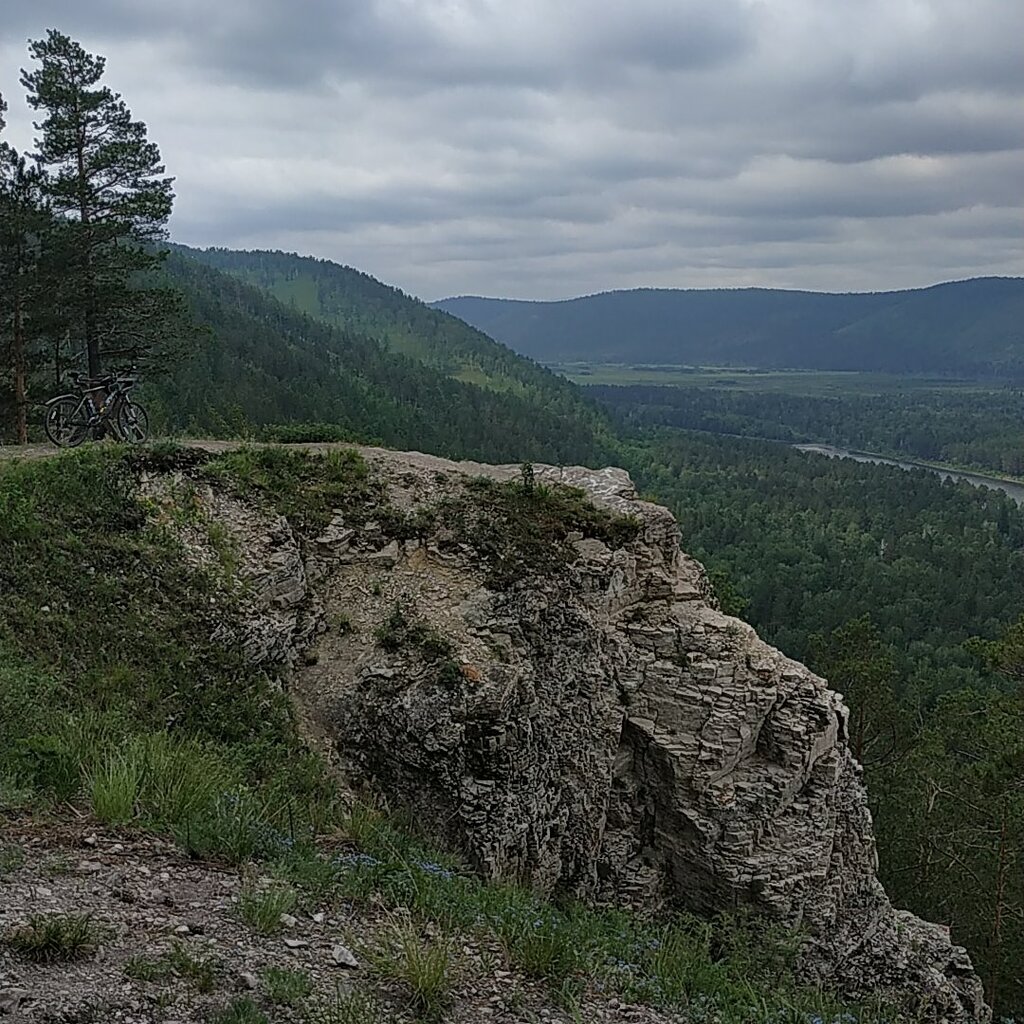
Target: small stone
344,957
249,980
288,921
182,929
91,840
318,917
295,943
89,867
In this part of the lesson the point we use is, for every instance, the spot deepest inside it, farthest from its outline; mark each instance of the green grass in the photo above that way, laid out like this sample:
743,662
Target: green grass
55,938
117,690
239,1011
306,487
344,1008
286,987
199,972
424,967
723,967
521,528
262,908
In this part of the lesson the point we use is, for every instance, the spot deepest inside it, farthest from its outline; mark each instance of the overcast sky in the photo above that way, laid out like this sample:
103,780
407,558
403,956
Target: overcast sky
549,148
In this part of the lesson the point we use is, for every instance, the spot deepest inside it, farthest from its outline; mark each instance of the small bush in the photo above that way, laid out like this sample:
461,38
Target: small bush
55,938
404,629
261,909
286,987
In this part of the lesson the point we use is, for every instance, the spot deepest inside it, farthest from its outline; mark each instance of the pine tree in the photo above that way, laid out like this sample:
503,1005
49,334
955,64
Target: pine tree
23,227
108,188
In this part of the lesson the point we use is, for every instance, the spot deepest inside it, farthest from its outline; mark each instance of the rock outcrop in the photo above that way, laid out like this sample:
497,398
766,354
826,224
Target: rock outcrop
604,731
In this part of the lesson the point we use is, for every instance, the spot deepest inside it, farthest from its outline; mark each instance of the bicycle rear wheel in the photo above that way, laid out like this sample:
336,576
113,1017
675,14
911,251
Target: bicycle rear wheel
132,422
66,423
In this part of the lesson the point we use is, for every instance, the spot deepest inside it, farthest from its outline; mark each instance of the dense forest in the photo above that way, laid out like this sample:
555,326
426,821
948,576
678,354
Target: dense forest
983,429
970,328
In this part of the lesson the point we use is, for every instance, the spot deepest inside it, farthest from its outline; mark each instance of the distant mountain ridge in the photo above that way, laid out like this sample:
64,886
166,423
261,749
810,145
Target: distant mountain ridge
973,327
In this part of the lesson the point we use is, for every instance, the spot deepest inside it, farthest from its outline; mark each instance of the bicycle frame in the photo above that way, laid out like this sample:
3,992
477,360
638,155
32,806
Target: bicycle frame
91,413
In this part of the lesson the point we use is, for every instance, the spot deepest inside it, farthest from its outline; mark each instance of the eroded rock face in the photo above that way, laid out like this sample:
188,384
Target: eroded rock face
611,734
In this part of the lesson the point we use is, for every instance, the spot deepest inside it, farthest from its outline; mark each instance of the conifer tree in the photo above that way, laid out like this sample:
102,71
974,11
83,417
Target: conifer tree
108,188
23,227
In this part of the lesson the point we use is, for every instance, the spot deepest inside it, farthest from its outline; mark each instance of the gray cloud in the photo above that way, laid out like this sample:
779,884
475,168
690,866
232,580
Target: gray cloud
542,150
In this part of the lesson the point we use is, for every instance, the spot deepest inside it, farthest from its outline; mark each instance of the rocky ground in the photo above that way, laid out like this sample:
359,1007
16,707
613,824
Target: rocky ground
172,946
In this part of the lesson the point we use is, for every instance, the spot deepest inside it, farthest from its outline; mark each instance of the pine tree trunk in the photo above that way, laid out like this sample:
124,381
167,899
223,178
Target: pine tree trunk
20,402
92,344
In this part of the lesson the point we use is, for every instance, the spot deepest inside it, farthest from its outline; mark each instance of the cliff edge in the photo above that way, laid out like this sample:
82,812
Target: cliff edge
573,710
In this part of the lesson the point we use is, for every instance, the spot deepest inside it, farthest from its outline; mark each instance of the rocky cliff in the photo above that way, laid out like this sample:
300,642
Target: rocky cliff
574,711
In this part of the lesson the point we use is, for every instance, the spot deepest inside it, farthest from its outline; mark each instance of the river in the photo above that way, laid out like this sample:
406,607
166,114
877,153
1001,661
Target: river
1014,490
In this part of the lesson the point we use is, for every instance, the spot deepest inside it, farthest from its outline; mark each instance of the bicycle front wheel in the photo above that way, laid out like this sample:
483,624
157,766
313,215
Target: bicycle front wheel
66,423
132,422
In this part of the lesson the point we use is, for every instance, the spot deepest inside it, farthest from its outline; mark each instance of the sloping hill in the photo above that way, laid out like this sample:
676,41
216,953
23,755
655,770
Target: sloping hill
261,362
347,298
973,327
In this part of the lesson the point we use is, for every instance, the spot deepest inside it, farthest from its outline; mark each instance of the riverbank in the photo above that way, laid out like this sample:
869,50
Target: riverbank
1008,485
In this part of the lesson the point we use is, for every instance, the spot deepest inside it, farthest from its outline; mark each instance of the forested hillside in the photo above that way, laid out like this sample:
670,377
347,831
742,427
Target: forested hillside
973,327
347,298
262,363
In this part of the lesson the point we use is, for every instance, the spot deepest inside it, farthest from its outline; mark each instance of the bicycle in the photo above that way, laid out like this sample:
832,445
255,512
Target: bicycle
98,406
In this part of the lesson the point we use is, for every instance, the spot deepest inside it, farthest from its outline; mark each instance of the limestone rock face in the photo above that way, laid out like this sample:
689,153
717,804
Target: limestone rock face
607,732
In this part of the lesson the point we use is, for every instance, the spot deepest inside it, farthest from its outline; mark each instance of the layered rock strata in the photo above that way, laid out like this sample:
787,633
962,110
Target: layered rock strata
609,733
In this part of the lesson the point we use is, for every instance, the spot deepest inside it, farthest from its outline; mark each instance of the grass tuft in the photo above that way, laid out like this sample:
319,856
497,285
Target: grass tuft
239,1011
286,987
114,788
56,938
425,967
344,1008
262,908
198,971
